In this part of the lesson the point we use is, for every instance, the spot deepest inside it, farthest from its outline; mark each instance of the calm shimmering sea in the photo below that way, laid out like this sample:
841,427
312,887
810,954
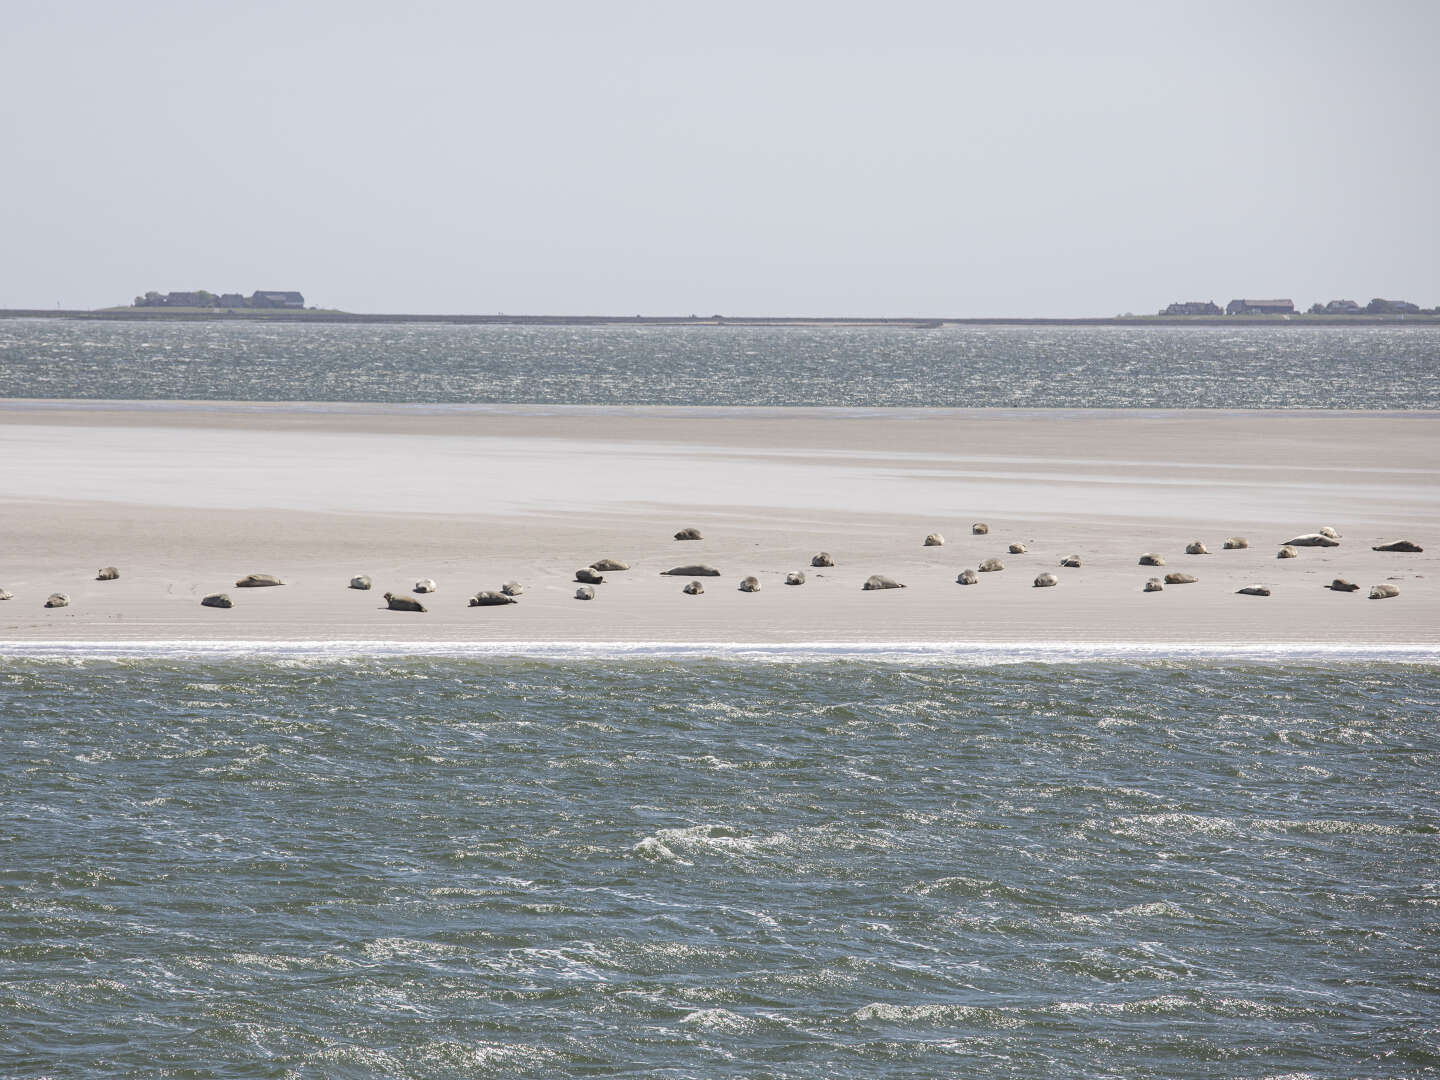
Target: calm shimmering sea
449,867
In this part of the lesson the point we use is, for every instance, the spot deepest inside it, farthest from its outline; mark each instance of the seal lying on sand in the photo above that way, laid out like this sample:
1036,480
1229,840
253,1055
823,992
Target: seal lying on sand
967,577
1046,580
6,594
821,558
1072,561
1180,578
1287,552
980,528
106,573
487,598
1151,559
1253,590
425,585
257,581
57,599
795,577
402,603
588,576
934,540
1384,592
360,581
1154,585
693,570
1196,547
1018,549
1312,540
989,566
750,584
1328,530
1234,543
609,564
689,534
218,599
1341,585
693,589
1399,545
512,588
585,592
880,581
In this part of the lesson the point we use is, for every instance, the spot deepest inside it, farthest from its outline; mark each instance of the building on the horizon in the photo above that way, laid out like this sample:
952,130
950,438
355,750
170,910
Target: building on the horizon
1336,307
202,298
1193,307
1260,307
1378,306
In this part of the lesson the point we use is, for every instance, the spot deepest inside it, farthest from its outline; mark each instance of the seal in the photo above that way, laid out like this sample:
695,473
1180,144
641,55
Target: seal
1072,561
691,570
1154,585
1046,580
1179,578
609,564
1341,585
693,589
1287,552
57,599
989,566
980,528
1253,590
1312,540
821,558
106,573
967,577
217,599
585,592
880,581
424,585
1196,547
750,584
689,534
795,577
512,588
1384,592
1151,559
588,576
934,540
360,581
1018,549
6,594
1399,545
487,598
1329,530
1234,543
402,603
258,581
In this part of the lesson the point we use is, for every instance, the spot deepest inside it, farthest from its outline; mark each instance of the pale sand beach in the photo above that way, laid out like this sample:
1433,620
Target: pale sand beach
186,498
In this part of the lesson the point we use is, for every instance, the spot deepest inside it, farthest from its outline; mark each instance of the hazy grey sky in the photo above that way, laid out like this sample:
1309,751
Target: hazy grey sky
743,158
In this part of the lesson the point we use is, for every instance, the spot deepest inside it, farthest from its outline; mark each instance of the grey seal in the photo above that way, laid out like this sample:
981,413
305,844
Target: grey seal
402,603
750,584
1253,590
880,581
989,566
1329,530
1341,585
795,577
1179,578
217,599
512,588
980,528
424,585
1154,585
1072,561
57,599
1151,559
257,581
967,577
1234,543
1399,545
585,592
821,558
609,564
1287,552
106,573
1196,547
360,581
6,594
934,540
691,570
588,576
693,589
1018,549
1384,592
1312,540
489,598
1046,580
689,534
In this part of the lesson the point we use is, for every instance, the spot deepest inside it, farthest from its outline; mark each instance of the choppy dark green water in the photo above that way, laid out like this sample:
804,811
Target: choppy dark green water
1367,367
431,867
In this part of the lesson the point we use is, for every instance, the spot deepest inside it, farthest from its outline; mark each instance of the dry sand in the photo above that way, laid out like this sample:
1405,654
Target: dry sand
185,498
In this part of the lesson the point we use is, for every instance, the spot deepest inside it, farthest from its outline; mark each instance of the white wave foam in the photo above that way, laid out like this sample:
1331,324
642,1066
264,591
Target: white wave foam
961,653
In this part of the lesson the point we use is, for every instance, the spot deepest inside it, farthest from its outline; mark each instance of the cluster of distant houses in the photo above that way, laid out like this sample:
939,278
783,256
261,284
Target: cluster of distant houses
200,298
1287,307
